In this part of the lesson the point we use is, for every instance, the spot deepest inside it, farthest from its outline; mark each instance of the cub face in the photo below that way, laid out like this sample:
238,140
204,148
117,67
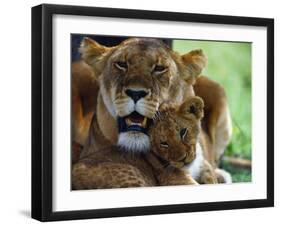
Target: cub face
135,77
176,131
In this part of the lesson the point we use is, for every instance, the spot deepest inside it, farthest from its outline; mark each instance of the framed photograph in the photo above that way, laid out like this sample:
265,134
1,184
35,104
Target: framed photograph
146,112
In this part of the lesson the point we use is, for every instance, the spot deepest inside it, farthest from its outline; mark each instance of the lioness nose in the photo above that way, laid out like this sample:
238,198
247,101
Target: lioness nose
136,95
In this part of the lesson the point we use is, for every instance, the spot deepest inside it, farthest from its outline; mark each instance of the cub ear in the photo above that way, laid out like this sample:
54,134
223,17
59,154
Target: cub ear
193,106
194,62
93,54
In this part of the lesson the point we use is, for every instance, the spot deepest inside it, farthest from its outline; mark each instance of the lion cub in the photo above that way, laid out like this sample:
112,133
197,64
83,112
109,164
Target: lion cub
176,151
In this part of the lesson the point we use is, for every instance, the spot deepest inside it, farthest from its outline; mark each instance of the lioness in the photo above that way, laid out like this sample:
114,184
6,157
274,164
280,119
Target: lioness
134,78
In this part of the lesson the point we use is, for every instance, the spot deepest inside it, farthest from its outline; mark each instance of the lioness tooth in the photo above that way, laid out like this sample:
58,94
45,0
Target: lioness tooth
128,121
144,122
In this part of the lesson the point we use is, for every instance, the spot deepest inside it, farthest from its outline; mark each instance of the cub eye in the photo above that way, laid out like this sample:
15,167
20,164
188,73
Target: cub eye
183,133
159,69
164,144
121,65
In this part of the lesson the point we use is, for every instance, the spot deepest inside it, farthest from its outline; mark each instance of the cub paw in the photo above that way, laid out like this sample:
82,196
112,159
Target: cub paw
223,176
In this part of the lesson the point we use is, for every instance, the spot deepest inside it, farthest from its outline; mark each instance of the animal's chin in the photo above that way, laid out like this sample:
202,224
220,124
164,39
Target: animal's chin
134,122
134,141
133,132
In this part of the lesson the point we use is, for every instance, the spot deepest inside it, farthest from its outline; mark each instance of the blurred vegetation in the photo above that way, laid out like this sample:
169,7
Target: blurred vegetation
229,63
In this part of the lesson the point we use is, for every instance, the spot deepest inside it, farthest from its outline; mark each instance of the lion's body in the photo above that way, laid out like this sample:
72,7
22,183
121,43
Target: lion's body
112,168
217,120
113,83
84,93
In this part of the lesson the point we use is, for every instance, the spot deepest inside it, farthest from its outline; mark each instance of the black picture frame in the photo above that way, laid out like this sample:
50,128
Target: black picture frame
42,107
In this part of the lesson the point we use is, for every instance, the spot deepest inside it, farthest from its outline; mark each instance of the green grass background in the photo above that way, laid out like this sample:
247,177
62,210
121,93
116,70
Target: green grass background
229,63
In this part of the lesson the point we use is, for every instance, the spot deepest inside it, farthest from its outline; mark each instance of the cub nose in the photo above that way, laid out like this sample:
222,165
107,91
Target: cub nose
136,95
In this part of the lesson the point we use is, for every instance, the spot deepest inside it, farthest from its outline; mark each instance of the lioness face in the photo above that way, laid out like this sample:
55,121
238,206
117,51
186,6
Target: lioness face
175,132
135,78
135,81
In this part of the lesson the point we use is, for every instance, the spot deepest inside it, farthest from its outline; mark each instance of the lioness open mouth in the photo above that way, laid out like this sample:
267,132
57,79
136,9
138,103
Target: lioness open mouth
134,122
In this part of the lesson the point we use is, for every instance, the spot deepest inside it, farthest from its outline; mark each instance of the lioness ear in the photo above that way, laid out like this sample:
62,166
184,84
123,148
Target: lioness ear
194,62
93,54
193,106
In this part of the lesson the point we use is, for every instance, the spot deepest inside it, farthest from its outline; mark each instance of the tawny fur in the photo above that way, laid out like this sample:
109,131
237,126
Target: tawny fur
216,123
84,91
112,168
